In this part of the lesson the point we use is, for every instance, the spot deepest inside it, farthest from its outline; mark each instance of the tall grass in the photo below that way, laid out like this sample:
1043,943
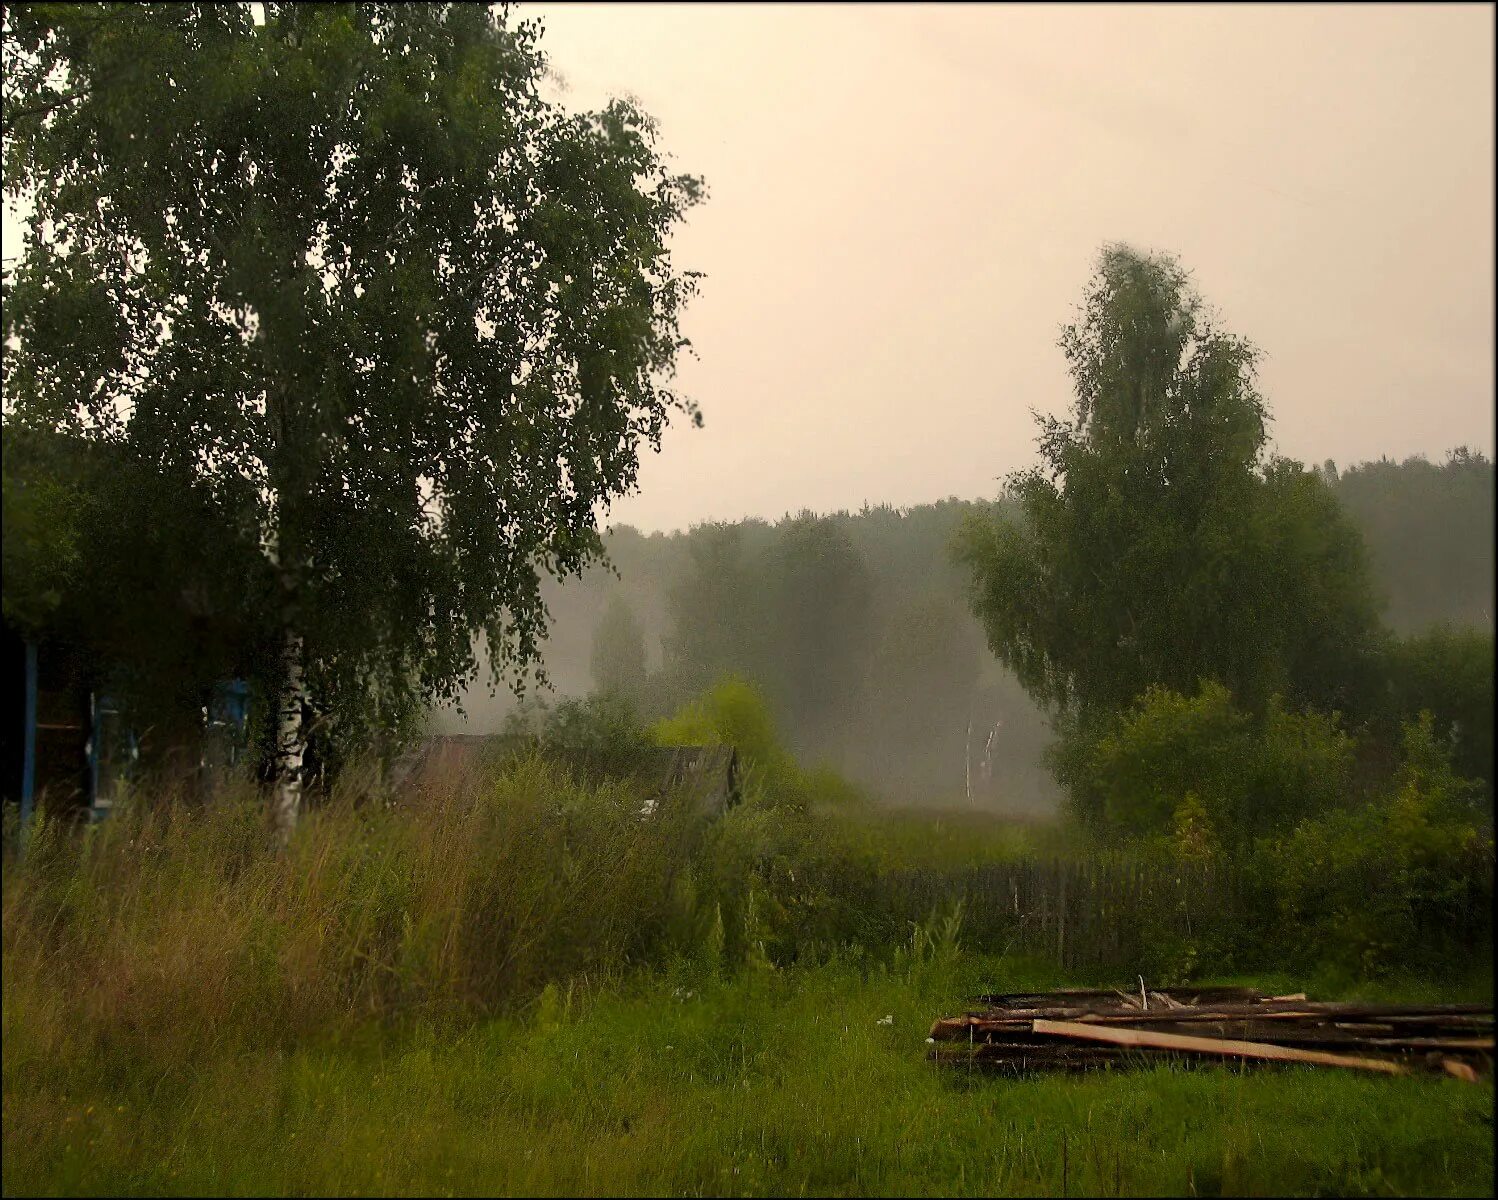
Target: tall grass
174,927
178,925
456,993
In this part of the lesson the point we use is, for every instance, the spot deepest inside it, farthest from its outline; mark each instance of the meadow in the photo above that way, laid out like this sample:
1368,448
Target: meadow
771,1083
515,986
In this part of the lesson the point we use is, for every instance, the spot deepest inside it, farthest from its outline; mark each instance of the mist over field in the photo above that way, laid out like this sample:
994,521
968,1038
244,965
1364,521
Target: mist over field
901,728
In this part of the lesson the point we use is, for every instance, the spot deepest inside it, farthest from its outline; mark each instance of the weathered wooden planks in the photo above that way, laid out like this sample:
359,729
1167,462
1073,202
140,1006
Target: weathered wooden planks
1086,1028
1227,1047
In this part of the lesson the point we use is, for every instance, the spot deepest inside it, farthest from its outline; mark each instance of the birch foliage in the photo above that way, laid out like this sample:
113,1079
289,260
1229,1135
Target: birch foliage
346,269
1160,542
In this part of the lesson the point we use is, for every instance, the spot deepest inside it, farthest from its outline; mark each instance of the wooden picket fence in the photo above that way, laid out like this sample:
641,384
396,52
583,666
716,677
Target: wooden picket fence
1113,911
1099,911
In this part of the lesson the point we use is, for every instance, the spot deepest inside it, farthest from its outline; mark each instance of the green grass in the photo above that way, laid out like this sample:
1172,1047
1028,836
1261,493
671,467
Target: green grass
938,838
514,985
773,1082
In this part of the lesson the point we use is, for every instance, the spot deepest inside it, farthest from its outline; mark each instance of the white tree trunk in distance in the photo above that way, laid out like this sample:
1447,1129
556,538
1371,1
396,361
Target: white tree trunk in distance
967,752
291,739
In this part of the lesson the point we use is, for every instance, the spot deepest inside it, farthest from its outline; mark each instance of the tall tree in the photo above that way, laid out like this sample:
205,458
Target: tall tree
712,612
1159,543
344,269
618,660
818,606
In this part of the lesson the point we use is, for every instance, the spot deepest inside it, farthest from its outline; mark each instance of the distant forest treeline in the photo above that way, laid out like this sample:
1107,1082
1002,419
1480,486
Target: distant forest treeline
857,628
1429,532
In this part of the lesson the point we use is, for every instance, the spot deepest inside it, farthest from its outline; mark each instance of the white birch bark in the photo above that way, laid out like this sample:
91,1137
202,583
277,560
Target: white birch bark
291,740
986,774
967,752
291,735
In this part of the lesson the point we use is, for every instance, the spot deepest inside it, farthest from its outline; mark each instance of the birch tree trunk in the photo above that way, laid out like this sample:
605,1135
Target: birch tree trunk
291,734
291,739
967,752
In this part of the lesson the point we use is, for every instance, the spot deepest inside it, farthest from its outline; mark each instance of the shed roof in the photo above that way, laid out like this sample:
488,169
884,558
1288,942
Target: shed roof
712,773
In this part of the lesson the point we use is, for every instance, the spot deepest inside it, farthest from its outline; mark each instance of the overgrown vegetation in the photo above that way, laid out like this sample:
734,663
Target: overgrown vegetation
514,955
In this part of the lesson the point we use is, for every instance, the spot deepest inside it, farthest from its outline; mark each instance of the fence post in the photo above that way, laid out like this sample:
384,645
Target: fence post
28,768
1061,919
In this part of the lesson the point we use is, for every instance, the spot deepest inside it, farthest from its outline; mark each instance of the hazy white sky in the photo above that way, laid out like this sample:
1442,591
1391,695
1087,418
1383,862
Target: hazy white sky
906,202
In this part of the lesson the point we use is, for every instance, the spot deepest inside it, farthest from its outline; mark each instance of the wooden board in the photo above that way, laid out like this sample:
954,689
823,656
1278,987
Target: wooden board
1223,1047
1476,1019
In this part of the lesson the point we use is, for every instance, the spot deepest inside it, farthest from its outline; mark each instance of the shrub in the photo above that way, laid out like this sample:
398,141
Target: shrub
733,712
1448,672
1300,764
1165,746
1405,881
1172,761
599,737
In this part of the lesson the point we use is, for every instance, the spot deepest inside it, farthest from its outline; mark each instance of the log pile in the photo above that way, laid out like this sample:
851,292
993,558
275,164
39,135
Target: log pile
1078,1029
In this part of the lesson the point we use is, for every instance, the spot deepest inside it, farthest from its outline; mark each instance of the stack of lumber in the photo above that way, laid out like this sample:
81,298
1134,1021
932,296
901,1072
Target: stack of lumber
1078,1029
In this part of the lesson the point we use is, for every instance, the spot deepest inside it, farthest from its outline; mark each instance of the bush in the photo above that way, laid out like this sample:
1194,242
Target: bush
1404,882
1172,763
733,712
599,737
1448,672
1132,778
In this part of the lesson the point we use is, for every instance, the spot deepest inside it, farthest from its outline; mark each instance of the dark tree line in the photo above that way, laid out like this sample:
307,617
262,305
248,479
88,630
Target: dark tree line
1429,531
686,608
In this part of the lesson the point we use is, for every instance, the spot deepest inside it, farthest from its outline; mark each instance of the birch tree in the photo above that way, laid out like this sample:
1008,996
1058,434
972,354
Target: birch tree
1160,541
347,268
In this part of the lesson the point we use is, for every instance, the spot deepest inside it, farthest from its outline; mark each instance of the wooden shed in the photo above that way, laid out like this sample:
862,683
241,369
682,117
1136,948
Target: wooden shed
710,774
